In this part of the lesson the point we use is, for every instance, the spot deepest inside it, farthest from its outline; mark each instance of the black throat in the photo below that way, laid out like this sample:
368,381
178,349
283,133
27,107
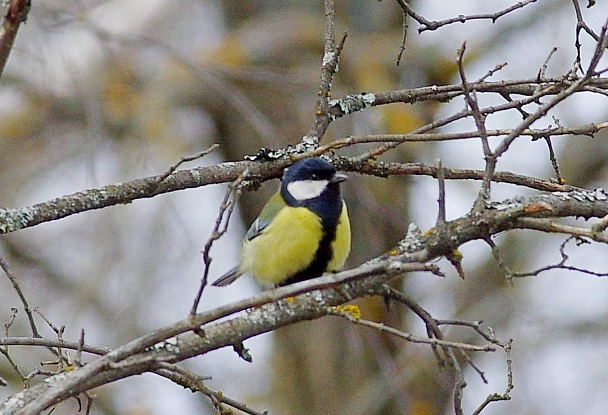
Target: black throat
328,206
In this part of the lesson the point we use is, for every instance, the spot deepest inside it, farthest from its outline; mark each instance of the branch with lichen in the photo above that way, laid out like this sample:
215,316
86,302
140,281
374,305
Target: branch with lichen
231,325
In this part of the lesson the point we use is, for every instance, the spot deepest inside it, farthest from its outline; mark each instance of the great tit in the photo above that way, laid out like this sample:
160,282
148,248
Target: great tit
302,231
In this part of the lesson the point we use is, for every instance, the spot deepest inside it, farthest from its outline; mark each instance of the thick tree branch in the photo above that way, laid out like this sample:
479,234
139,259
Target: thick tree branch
270,310
13,219
122,193
443,93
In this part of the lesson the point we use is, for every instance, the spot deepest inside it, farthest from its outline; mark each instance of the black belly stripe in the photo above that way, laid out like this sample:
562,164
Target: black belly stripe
320,262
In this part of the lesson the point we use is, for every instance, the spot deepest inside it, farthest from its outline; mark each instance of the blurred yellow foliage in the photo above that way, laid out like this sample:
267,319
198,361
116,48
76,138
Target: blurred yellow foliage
230,52
400,119
121,93
21,122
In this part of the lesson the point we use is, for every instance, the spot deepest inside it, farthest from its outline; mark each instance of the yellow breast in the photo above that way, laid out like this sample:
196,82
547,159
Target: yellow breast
288,245
340,245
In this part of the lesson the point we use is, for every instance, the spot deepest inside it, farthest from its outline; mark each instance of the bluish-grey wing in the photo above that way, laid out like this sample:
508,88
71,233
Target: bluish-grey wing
268,213
227,278
270,210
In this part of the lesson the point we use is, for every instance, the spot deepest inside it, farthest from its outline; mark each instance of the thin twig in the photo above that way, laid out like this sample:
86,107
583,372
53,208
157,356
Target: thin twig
491,72
498,258
562,263
410,337
58,331
8,323
586,129
543,69
219,229
480,122
331,59
186,159
434,125
434,25
551,226
433,330
505,396
600,48
553,159
26,307
540,112
4,351
195,383
404,36
78,357
45,342
441,197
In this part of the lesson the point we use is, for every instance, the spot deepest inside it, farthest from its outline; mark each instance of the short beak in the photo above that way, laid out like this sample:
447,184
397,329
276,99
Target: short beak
338,178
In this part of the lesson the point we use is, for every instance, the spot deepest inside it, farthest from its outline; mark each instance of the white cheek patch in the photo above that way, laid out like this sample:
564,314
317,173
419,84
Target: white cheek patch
307,189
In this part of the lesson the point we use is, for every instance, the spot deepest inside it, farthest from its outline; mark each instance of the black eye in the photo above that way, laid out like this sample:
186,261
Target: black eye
314,176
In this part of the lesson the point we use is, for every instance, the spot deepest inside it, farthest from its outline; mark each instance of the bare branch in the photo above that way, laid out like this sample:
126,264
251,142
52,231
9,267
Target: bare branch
498,258
57,343
403,38
495,397
434,25
219,229
546,225
186,159
587,129
331,58
553,159
543,68
410,337
196,383
480,122
441,198
524,87
182,340
16,13
562,263
14,219
26,307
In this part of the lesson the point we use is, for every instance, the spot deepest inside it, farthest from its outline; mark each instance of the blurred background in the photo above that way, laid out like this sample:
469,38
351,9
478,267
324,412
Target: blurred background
100,92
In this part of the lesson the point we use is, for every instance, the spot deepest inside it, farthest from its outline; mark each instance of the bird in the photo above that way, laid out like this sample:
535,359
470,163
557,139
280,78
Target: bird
301,232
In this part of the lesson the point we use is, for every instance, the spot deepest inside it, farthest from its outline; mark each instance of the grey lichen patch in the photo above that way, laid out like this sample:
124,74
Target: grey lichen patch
14,219
600,194
268,154
329,57
582,195
14,402
308,143
56,378
504,205
412,241
353,102
169,345
197,176
94,198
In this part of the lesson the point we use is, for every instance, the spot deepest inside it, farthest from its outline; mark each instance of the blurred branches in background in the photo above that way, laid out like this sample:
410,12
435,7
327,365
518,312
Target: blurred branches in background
482,123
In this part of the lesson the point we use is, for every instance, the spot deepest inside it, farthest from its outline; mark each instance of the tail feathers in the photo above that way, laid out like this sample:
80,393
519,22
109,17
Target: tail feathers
227,278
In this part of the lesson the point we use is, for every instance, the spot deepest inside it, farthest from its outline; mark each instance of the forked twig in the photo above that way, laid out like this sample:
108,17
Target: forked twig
480,122
186,159
26,307
219,229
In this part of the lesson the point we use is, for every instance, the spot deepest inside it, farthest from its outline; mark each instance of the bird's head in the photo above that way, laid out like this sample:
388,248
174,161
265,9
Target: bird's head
309,179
